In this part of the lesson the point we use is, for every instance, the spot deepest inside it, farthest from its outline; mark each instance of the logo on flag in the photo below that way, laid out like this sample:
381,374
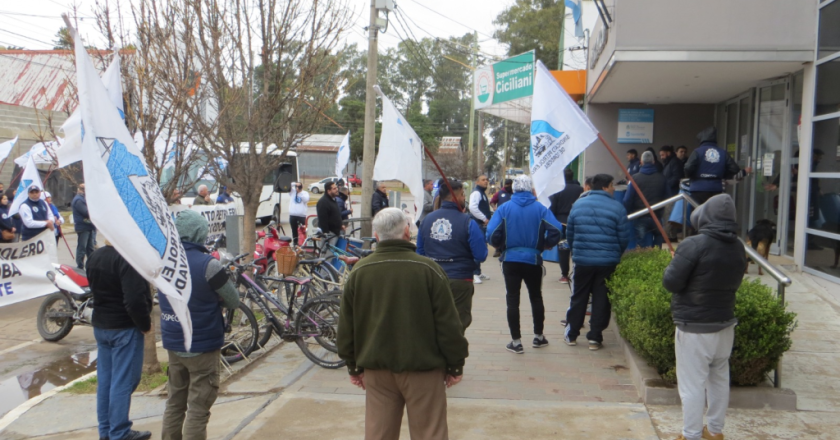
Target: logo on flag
545,139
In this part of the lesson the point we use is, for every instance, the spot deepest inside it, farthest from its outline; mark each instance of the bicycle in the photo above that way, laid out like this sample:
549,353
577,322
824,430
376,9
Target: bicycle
313,326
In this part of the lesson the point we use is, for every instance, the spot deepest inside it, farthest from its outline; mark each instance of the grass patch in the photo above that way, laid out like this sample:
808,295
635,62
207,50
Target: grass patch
87,386
148,382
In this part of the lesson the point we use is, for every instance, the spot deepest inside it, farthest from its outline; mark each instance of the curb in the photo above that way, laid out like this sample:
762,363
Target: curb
21,409
655,391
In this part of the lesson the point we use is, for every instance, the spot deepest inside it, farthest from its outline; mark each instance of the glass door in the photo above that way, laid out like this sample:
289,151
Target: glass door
738,144
770,177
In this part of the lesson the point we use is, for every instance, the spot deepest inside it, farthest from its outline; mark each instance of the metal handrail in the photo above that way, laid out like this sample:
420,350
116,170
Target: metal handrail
782,280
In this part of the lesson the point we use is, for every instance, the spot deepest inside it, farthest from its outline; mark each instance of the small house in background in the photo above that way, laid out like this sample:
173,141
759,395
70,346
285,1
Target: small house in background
316,156
449,145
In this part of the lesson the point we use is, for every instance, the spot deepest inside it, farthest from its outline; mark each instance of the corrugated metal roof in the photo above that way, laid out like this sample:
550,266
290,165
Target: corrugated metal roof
321,143
41,79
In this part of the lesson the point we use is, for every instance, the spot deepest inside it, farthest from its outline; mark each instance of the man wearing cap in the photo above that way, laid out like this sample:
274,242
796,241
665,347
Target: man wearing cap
35,214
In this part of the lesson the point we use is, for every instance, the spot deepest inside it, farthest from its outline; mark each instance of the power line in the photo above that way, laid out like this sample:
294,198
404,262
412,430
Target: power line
22,14
452,20
24,36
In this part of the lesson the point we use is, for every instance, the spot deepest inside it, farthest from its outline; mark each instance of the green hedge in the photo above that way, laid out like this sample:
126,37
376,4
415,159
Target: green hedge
643,312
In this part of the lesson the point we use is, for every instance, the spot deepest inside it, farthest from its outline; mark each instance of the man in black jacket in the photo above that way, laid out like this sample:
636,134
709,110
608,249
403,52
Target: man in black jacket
561,206
122,318
329,214
379,201
704,275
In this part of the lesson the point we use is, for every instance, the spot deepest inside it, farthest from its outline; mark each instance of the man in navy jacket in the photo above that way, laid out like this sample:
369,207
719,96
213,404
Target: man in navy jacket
454,241
597,234
524,228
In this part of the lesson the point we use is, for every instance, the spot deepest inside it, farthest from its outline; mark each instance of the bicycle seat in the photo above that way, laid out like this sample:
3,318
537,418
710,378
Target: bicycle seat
314,261
295,280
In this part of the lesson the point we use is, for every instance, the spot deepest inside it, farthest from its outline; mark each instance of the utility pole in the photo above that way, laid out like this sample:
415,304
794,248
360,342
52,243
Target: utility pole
369,150
562,36
505,160
473,59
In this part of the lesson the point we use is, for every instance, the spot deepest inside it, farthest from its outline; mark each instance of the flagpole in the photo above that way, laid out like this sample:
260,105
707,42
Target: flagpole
445,179
639,192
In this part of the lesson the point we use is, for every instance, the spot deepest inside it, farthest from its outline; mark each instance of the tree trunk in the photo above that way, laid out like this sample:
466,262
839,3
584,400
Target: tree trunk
249,231
150,360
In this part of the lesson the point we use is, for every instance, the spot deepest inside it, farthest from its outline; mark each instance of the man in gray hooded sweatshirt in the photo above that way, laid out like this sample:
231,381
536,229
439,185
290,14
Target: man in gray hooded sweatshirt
704,275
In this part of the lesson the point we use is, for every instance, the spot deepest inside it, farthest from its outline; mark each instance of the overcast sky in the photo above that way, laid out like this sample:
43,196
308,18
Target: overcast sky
33,23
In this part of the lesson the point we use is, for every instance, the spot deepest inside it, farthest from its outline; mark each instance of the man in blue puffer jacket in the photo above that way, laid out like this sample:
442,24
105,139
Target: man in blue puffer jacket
523,228
597,234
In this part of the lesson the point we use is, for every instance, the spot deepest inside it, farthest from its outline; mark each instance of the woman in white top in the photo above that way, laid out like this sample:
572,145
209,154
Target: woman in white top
298,208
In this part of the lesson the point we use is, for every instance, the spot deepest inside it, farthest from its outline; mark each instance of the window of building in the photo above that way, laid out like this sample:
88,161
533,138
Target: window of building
828,87
829,33
823,254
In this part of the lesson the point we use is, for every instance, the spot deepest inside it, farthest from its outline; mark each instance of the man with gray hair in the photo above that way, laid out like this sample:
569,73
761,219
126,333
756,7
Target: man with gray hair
523,228
654,187
203,197
395,299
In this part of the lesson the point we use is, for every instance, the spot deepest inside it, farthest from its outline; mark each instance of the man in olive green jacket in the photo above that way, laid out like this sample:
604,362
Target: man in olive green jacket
401,335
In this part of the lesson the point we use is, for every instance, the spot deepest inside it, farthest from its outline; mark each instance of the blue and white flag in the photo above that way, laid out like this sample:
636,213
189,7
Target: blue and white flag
29,177
577,11
343,156
6,148
124,202
560,131
71,149
43,153
400,153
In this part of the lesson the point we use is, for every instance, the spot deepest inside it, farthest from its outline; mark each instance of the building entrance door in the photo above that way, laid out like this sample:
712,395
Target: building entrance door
738,143
771,176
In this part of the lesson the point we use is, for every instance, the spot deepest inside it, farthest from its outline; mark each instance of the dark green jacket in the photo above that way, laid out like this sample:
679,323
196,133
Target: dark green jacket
397,314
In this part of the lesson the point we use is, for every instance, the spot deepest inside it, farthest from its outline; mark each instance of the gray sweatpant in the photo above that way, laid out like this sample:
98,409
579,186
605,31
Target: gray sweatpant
703,376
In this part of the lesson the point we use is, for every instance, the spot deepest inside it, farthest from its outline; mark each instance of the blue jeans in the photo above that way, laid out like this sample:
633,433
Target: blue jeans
643,226
119,364
84,246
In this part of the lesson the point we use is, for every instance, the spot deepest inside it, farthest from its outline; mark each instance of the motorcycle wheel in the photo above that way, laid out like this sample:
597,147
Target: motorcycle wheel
55,317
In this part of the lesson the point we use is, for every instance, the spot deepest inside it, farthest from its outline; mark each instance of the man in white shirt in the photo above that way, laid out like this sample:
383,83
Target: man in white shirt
298,208
35,214
480,212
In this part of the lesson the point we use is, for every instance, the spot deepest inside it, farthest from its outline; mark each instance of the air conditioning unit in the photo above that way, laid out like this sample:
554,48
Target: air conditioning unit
387,5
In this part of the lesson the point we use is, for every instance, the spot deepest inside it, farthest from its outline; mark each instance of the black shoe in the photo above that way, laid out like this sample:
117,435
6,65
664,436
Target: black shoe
595,345
516,349
540,343
138,435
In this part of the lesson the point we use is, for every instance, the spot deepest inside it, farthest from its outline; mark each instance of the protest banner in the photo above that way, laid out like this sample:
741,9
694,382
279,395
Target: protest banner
23,268
215,215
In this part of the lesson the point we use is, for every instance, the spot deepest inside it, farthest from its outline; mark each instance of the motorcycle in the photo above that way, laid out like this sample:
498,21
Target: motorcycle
71,305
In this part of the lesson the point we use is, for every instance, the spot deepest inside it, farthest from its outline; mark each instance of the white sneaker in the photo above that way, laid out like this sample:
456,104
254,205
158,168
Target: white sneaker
484,277
477,279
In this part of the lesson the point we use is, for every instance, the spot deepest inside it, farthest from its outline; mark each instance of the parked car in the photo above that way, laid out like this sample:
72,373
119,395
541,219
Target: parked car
318,187
354,180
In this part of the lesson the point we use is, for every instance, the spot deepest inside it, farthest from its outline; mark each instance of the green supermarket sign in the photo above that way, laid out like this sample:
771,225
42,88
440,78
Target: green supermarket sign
504,81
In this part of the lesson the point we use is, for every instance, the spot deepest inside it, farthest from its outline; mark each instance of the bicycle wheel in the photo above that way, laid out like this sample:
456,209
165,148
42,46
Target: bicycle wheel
263,323
317,327
241,334
325,278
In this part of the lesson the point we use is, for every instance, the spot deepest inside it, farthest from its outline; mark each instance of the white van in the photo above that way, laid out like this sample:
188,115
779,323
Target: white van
273,205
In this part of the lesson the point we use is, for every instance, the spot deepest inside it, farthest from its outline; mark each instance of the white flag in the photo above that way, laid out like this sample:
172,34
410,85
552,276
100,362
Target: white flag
6,148
29,177
71,149
343,156
43,153
125,204
400,153
560,131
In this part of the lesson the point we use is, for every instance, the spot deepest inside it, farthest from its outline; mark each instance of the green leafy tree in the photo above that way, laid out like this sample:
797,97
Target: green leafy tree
532,25
63,40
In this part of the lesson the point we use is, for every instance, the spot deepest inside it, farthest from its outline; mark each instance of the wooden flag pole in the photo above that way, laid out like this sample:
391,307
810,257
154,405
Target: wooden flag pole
641,196
445,179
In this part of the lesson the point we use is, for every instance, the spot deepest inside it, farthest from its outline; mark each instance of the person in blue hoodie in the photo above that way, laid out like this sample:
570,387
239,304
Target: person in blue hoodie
597,234
454,241
633,163
523,228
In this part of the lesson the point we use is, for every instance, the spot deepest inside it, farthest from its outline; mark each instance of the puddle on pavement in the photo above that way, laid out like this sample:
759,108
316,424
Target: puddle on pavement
19,389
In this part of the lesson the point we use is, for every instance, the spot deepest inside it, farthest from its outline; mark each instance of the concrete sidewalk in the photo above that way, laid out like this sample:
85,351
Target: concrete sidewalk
554,392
